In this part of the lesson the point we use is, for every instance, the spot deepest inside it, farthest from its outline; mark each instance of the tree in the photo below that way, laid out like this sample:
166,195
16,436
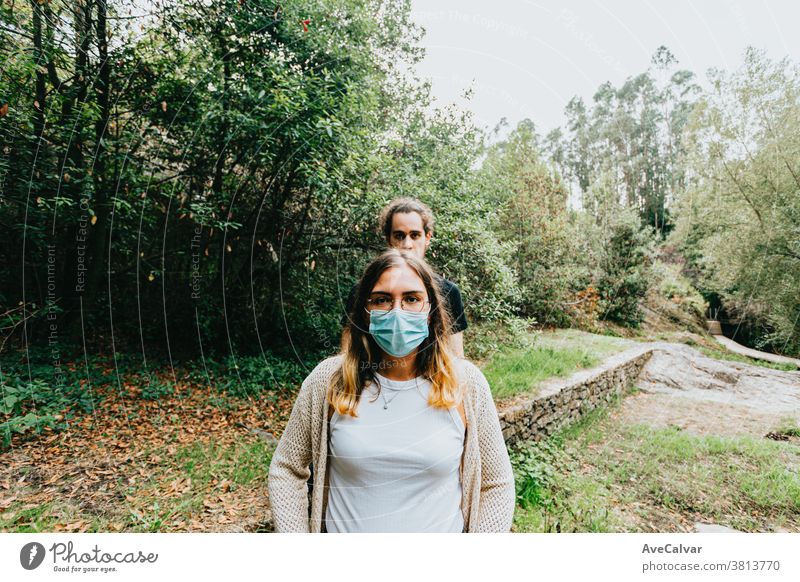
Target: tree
739,220
633,134
532,215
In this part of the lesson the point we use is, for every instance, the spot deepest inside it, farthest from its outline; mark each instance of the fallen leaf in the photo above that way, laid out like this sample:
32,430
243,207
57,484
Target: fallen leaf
6,503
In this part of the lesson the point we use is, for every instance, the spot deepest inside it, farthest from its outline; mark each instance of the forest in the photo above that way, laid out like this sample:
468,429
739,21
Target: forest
198,183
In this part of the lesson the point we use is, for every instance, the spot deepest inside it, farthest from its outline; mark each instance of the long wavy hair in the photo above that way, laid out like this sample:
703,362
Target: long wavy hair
362,356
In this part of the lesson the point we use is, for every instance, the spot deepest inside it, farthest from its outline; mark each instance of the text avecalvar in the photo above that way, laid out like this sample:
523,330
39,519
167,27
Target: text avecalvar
671,549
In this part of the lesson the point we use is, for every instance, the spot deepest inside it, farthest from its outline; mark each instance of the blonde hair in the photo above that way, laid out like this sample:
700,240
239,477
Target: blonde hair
362,356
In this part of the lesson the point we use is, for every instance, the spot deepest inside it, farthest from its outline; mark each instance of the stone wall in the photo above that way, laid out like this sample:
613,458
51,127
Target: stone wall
560,402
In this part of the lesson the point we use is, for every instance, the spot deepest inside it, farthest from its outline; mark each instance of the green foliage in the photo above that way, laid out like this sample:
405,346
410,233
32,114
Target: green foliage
738,221
28,407
255,154
490,337
20,396
237,149
535,465
153,387
673,285
252,375
532,217
469,253
632,134
624,279
30,422
35,396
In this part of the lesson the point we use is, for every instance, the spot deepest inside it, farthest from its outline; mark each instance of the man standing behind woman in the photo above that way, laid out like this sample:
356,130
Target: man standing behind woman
406,436
407,225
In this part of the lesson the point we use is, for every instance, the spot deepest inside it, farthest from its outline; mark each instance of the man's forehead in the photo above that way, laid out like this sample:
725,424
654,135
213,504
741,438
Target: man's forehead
402,221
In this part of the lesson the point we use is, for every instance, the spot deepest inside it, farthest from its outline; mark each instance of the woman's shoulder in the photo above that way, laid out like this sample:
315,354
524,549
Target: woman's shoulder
472,376
323,371
468,368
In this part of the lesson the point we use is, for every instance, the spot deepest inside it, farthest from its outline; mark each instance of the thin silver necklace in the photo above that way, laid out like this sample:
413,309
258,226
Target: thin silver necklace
386,404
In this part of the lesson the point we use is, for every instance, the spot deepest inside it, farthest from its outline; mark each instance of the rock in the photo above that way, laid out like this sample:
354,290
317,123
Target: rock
713,528
681,370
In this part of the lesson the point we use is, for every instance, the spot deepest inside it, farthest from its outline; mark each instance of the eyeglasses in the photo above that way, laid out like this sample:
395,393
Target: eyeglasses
408,303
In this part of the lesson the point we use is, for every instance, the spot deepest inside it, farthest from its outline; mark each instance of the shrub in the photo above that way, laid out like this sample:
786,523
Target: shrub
534,464
625,268
28,406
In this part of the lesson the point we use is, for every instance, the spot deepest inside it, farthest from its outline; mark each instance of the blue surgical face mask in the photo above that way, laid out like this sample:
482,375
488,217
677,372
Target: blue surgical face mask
398,332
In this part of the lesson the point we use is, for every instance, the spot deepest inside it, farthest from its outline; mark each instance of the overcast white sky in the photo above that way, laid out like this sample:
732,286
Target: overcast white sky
528,59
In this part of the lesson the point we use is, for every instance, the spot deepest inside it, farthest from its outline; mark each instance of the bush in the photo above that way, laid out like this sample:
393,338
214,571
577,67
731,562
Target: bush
251,375
31,422
625,268
28,406
533,219
534,464
469,253
672,285
154,388
487,338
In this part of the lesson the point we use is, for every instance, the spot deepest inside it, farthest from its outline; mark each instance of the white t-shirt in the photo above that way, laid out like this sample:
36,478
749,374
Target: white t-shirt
395,469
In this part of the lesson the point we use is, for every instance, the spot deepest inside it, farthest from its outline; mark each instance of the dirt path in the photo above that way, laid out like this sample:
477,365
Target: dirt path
751,353
626,473
682,387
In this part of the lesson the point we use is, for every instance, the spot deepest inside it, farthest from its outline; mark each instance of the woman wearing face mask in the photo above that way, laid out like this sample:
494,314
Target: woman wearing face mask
403,436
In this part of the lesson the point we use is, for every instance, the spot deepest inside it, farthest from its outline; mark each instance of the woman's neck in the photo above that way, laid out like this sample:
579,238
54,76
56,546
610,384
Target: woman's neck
399,369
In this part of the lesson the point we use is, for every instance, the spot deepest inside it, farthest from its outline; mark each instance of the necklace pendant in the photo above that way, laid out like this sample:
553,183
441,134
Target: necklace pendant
385,406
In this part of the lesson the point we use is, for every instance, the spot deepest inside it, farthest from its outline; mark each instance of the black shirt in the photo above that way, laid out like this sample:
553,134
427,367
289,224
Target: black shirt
450,293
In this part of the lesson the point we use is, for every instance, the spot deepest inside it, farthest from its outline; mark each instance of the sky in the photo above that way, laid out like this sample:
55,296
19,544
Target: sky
528,59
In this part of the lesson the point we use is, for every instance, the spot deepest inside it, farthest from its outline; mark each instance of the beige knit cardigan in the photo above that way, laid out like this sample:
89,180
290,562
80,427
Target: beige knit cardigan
488,495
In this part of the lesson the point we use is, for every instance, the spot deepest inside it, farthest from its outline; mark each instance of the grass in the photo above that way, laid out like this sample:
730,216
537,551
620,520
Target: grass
204,471
788,427
241,463
601,475
43,518
519,368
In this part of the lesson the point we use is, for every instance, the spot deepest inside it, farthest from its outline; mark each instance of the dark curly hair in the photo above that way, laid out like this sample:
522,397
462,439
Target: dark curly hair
404,205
